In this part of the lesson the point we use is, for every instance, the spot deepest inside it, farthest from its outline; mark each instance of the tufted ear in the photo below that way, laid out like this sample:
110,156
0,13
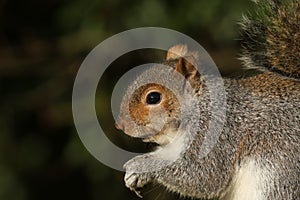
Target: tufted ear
187,63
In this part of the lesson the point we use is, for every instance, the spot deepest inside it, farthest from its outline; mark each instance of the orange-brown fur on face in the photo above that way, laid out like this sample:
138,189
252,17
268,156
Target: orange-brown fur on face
159,123
139,110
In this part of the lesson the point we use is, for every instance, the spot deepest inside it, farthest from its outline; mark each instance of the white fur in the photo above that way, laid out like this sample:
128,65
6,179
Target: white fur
250,182
172,150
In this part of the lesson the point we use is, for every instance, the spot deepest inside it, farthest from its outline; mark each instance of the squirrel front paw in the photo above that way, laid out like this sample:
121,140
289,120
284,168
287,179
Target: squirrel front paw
135,181
136,177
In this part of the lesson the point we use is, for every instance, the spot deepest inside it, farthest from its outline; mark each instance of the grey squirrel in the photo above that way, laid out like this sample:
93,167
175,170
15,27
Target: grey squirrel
257,155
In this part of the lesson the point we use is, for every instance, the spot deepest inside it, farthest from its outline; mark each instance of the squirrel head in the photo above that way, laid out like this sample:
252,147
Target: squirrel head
152,110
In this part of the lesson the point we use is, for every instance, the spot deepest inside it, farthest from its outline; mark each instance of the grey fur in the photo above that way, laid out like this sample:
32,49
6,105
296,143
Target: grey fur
269,126
262,124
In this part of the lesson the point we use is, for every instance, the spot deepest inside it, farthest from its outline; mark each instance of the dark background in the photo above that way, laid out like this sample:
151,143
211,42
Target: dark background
42,44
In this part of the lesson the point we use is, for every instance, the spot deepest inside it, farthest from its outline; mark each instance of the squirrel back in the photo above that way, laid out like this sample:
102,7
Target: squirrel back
271,37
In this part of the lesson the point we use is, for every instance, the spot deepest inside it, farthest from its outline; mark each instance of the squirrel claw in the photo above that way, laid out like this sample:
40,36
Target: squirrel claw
133,183
138,193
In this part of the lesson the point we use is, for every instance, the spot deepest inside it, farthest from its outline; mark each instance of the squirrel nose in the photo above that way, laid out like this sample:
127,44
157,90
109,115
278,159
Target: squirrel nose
120,125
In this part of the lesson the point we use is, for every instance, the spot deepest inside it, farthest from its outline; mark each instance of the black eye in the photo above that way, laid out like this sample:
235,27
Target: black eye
153,98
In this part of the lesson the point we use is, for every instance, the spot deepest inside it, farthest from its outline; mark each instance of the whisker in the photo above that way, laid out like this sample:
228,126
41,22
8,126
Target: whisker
158,196
151,190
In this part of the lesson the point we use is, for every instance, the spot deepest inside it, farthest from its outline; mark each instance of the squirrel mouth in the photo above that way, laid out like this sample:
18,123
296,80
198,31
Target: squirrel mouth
146,137
148,133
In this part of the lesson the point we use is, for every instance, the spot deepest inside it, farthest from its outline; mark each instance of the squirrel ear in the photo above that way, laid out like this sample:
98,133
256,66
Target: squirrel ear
186,67
179,51
187,62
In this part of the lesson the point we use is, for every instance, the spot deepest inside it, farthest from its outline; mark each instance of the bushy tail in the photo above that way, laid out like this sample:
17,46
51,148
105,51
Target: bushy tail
271,37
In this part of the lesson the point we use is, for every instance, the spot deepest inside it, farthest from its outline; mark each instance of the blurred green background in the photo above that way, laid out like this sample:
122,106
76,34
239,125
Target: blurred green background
42,44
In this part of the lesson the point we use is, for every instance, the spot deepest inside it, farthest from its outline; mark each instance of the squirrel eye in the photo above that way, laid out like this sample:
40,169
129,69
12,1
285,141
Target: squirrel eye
153,98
